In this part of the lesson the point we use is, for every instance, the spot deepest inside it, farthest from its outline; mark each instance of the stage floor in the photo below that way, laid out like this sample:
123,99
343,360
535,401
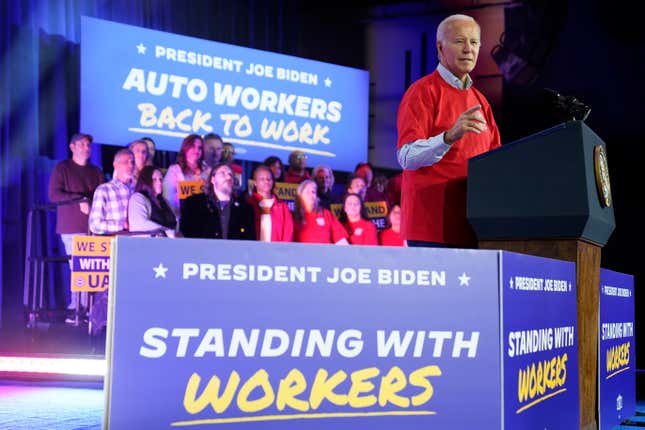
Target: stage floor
48,405
79,406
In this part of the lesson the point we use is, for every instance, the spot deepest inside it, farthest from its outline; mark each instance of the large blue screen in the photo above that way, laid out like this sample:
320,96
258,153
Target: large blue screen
138,82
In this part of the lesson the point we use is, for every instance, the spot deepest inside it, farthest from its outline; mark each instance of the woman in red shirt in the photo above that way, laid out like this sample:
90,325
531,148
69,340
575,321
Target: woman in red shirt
361,230
313,224
391,236
273,220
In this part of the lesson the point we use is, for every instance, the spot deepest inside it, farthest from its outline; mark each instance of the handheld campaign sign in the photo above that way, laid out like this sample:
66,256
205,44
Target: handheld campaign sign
376,212
186,189
286,192
617,360
90,263
300,336
168,86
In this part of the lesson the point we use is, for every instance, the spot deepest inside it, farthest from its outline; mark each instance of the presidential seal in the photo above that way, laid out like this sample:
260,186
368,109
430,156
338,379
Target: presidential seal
602,176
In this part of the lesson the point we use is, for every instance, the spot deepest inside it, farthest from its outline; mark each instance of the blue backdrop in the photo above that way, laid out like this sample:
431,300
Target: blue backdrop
168,86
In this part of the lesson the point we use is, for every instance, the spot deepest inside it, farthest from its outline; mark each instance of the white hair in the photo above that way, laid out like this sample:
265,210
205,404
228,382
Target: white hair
443,25
320,167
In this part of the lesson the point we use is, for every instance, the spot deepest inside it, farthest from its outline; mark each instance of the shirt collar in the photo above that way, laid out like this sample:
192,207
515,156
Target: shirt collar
129,184
452,80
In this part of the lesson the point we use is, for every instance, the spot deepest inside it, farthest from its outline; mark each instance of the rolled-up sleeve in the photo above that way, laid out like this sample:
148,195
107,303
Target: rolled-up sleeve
422,152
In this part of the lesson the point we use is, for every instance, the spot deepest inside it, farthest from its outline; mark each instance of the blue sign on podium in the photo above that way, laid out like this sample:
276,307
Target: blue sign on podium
204,333
617,354
540,343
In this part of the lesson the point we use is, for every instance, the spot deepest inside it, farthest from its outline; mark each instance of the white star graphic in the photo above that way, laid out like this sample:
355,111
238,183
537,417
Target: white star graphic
141,48
327,82
160,271
464,279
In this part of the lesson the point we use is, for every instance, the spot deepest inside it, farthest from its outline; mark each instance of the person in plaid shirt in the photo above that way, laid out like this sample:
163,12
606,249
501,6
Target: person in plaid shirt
109,213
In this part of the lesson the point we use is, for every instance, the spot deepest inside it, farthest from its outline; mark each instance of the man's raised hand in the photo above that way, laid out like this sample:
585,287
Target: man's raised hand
470,121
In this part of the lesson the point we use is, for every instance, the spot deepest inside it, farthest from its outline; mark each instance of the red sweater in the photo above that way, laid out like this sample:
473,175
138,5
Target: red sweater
362,232
281,219
389,237
293,178
319,227
433,199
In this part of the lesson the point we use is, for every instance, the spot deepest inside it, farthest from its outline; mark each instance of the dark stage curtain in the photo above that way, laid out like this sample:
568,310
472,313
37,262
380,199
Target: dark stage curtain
39,99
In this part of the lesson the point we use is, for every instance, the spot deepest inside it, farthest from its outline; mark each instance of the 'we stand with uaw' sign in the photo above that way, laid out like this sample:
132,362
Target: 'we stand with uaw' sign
90,263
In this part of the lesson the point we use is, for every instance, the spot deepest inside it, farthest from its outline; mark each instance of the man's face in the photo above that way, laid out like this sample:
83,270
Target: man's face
140,151
323,180
124,167
459,48
300,161
81,149
213,149
222,180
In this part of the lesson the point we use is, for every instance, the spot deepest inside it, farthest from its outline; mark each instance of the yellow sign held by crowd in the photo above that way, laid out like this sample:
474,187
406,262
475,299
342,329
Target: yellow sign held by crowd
285,191
373,209
91,263
186,189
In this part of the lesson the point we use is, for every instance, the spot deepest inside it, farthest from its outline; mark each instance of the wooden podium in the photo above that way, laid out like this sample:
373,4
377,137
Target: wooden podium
549,195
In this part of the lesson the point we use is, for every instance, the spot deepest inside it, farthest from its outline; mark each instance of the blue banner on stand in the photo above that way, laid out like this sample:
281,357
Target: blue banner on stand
137,82
617,360
540,343
299,336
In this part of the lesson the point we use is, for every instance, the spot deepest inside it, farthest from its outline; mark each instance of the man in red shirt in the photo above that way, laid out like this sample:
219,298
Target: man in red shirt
297,171
442,122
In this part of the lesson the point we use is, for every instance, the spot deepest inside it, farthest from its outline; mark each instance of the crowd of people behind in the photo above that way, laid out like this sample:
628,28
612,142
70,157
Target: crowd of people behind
145,199
148,200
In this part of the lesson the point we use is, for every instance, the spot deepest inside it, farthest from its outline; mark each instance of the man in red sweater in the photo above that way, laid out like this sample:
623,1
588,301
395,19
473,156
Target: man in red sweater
442,122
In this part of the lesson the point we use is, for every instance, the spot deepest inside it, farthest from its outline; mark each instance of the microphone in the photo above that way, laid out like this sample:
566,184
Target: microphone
569,105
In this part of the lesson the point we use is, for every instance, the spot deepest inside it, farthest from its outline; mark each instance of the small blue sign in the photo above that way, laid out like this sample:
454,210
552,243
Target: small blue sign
540,343
617,359
138,82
